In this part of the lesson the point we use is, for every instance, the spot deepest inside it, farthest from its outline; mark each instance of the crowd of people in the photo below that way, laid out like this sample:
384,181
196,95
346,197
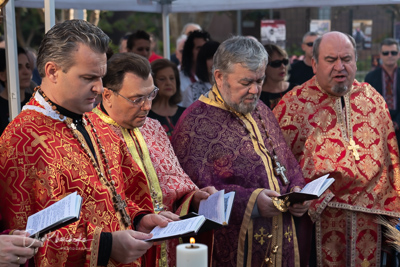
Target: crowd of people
144,139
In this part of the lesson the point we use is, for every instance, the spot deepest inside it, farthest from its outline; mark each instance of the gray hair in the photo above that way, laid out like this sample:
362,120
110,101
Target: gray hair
248,52
318,42
180,39
60,41
190,24
309,34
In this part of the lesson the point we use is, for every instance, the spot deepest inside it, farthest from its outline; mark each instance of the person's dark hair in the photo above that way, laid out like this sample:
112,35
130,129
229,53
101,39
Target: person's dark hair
187,54
206,52
3,59
317,43
60,42
390,41
139,34
120,64
161,64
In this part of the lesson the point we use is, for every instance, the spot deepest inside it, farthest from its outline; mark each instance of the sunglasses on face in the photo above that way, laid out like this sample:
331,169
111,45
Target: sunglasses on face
310,44
386,53
278,63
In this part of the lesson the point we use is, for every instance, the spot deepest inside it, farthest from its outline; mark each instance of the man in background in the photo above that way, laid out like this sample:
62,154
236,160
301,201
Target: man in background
139,43
301,71
386,80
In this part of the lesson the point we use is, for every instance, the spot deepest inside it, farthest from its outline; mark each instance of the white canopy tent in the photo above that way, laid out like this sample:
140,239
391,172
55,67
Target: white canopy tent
164,7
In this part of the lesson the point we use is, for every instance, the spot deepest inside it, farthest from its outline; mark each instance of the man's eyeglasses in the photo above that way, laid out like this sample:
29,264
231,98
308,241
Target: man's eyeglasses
278,63
310,44
140,100
386,53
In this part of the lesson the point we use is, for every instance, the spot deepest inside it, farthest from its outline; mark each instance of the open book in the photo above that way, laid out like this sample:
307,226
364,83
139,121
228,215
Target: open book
312,190
214,212
55,216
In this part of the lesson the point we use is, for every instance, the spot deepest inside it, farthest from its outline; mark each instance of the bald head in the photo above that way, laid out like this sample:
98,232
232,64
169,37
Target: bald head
334,62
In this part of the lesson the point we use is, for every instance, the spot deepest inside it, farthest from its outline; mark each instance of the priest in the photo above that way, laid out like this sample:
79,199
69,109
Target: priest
232,141
52,148
338,126
129,90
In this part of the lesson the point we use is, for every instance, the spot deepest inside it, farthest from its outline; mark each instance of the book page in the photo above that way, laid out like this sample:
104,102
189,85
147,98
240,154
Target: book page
213,207
58,212
228,201
314,187
177,228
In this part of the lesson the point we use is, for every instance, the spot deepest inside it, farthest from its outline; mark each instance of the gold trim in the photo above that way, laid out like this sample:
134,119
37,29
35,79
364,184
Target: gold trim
146,164
295,245
250,123
94,247
186,204
245,227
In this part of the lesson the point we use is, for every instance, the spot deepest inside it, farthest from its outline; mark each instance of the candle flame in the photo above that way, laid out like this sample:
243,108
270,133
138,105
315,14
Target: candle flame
192,240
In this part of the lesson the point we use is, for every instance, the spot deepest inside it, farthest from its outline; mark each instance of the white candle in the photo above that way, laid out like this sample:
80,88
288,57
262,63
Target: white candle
191,255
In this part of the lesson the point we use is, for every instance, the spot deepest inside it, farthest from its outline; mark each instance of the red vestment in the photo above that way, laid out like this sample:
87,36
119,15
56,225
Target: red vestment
41,162
169,183
319,127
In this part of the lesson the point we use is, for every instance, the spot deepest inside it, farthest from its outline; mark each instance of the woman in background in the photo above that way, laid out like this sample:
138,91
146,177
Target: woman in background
25,76
275,84
204,65
164,107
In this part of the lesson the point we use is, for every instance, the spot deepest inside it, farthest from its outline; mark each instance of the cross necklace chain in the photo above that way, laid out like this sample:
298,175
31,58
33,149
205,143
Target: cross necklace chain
347,115
119,202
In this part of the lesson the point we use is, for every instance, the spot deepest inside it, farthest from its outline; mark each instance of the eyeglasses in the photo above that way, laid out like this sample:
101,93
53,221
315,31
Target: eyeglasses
278,63
386,53
310,44
140,100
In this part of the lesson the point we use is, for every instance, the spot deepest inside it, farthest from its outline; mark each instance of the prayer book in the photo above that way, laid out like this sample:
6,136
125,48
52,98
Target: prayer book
312,190
55,216
214,212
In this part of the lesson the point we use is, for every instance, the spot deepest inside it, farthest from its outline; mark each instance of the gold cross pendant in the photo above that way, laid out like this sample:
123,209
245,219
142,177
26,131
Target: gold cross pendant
354,147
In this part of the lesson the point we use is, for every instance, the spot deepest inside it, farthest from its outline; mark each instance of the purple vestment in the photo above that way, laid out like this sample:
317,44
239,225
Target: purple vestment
214,148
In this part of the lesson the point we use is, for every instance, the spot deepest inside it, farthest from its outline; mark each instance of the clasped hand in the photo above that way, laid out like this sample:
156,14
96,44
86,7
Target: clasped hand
267,209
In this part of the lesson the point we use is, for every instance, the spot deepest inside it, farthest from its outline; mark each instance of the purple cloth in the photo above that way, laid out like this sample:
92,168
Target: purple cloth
214,148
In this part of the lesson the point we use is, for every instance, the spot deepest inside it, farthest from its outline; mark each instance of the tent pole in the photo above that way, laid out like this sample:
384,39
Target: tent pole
49,14
166,33
12,60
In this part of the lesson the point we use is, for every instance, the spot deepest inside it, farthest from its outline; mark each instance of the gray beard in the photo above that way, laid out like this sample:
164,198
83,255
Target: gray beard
340,89
244,108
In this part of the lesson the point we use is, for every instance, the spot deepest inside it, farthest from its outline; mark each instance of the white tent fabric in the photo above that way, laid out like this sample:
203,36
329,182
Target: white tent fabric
195,5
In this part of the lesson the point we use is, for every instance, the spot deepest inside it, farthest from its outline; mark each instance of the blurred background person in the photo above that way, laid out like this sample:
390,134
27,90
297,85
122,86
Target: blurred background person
301,71
177,56
139,43
25,75
275,83
191,48
165,107
204,65
153,43
123,43
190,27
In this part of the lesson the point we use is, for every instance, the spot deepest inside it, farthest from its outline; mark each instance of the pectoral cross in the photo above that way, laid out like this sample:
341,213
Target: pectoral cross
280,170
354,147
158,207
120,206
